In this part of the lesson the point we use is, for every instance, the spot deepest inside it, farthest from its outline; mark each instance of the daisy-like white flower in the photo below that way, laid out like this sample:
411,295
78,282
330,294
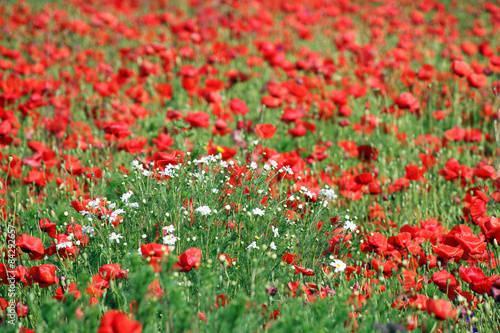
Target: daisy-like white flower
88,230
114,237
286,169
258,211
274,164
349,225
169,228
275,231
215,190
252,245
127,196
64,245
328,193
310,194
339,265
139,252
94,203
253,165
169,239
203,210
273,246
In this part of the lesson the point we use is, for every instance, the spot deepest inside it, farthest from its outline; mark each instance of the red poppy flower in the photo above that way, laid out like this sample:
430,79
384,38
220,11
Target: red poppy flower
408,101
374,242
198,119
18,273
96,286
428,160
116,131
305,271
115,321
191,258
471,274
270,101
477,80
414,172
461,68
65,248
441,309
290,258
265,131
386,267
448,252
298,131
238,107
60,295
446,282
155,254
155,291
163,141
472,244
133,146
31,245
291,115
364,178
21,309
44,275
479,284
367,153
26,330
161,159
226,152
113,272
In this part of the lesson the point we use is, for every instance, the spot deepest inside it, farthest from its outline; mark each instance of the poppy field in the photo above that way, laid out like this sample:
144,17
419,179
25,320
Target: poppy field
246,166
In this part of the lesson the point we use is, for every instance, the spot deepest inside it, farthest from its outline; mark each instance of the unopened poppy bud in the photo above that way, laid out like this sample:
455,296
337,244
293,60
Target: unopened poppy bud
487,307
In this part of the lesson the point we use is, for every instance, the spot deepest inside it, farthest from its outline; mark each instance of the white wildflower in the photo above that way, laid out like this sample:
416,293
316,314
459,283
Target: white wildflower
115,237
275,231
328,193
203,210
127,196
286,169
258,211
252,245
349,225
169,228
88,230
64,245
169,239
339,265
